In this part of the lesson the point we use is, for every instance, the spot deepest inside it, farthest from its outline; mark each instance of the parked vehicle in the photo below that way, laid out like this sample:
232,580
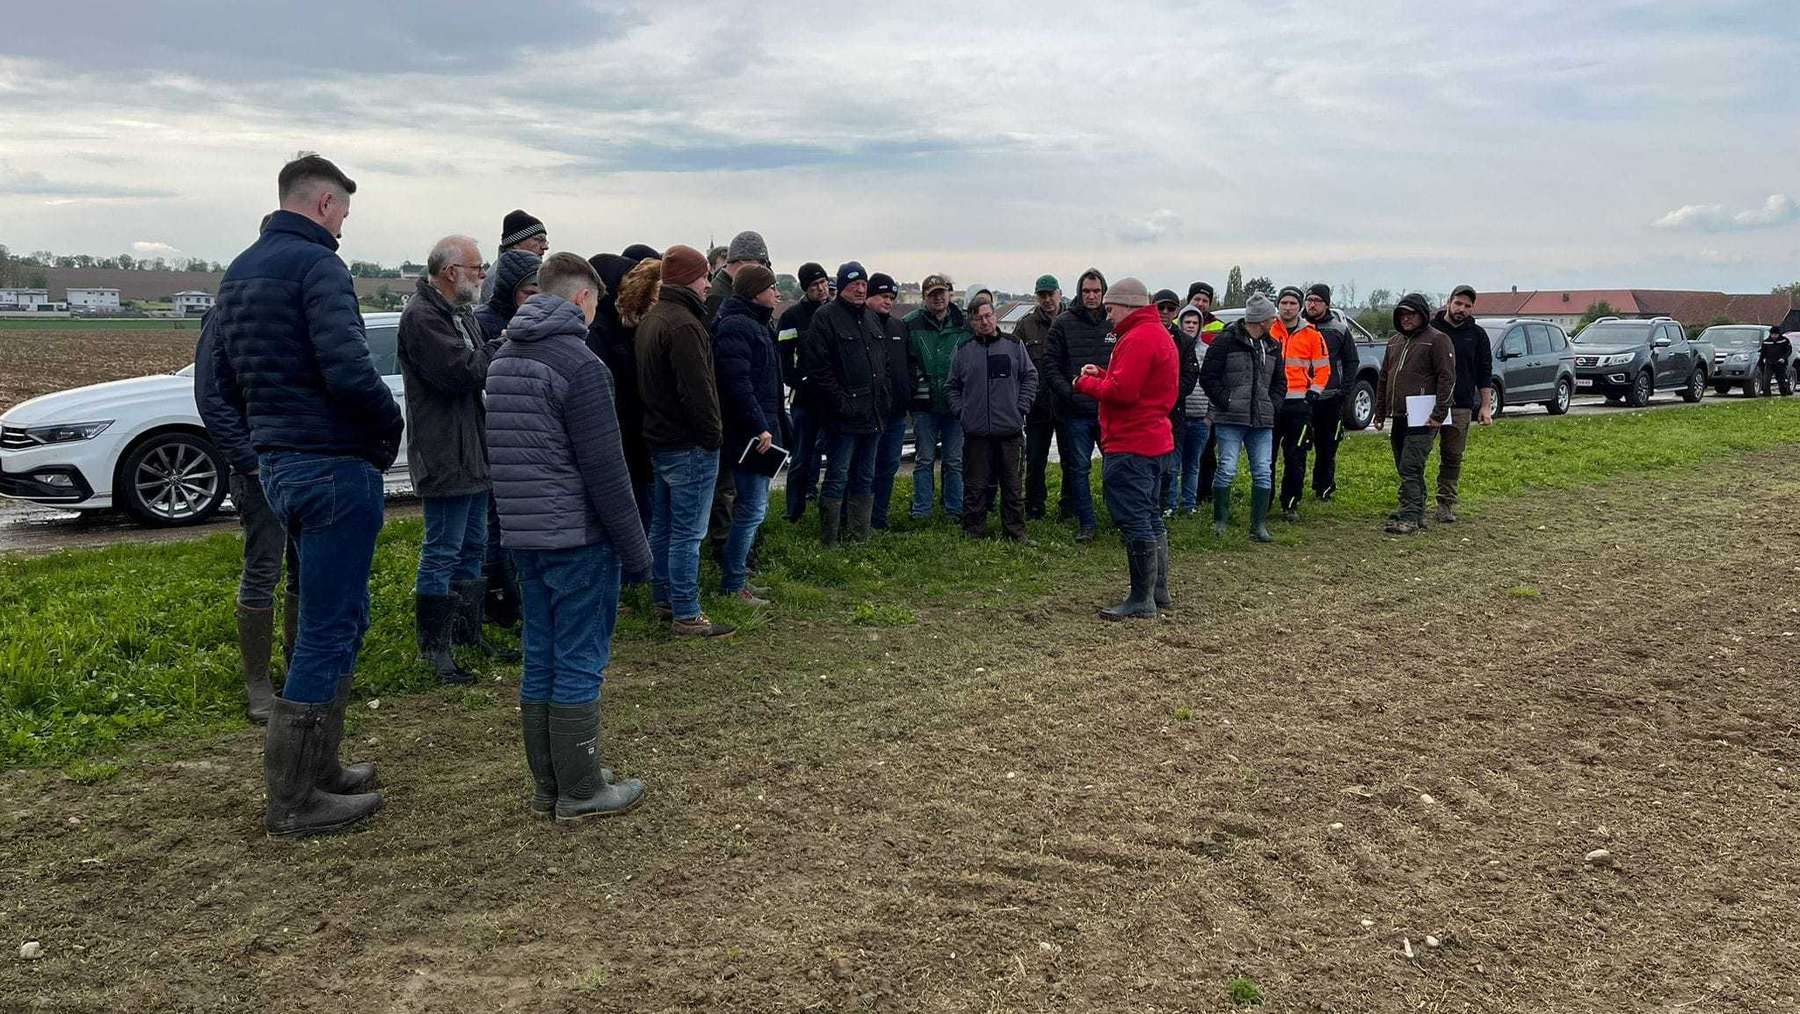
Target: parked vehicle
1533,362
138,444
1737,357
1630,360
1359,401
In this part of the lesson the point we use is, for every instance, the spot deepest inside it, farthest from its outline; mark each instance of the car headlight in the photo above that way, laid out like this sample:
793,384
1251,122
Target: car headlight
62,433
1620,359
1739,357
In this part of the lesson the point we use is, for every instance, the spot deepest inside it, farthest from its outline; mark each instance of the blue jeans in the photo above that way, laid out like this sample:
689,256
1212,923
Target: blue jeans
1260,442
1077,447
569,599
930,430
803,460
684,491
455,542
746,517
1132,486
849,464
1190,448
887,465
332,507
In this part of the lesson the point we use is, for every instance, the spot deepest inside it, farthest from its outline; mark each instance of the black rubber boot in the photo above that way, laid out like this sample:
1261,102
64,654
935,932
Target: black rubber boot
293,748
471,601
1259,515
861,513
1162,573
502,601
582,791
434,615
1221,514
1141,556
831,512
534,719
256,643
334,775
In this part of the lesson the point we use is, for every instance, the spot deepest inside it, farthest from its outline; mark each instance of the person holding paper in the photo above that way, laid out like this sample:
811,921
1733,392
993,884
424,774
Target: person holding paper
749,373
1418,380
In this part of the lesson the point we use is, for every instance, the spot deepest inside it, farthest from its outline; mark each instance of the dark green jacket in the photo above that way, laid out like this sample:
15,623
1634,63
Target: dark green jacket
934,345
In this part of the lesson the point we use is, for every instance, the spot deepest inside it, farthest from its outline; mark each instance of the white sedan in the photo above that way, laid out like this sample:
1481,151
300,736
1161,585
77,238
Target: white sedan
138,444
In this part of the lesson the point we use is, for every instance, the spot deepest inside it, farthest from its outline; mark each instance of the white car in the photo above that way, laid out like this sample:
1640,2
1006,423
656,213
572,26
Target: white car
138,444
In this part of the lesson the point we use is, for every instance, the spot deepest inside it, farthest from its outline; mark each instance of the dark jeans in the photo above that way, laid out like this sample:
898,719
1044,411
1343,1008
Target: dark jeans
1038,433
1196,436
1209,464
1076,445
684,488
803,460
849,464
1412,448
455,544
1171,484
887,464
1327,434
1131,484
331,505
1291,425
990,462
266,546
570,600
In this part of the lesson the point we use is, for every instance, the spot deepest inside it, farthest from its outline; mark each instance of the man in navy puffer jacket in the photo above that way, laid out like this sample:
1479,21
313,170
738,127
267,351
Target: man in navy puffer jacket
324,426
749,376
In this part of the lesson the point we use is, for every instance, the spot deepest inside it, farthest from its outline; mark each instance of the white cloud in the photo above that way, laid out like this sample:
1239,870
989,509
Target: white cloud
1163,223
1777,209
146,248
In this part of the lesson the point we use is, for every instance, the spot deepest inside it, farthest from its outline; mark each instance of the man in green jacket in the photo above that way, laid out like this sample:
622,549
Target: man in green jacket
936,330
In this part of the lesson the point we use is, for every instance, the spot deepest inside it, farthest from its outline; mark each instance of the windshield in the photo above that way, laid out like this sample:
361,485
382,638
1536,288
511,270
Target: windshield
1615,332
1733,337
1494,331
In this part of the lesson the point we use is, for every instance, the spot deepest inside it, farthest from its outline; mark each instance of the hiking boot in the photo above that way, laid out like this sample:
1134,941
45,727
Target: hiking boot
859,512
1446,514
1221,516
1259,515
572,733
471,600
1085,536
831,513
1161,584
1290,514
334,776
1140,556
700,626
256,634
434,615
293,748
744,596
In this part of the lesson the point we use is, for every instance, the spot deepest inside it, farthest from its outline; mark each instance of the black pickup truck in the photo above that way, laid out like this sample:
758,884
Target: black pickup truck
1630,360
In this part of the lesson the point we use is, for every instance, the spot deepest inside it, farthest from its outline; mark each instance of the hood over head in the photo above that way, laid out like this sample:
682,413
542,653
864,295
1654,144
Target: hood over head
1416,302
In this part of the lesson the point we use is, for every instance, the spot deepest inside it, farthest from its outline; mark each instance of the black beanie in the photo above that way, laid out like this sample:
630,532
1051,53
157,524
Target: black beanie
519,227
1290,290
811,272
1199,287
1321,290
641,252
883,285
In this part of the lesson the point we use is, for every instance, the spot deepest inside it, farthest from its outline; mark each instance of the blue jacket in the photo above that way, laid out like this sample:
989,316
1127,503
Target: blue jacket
296,363
223,419
749,374
560,479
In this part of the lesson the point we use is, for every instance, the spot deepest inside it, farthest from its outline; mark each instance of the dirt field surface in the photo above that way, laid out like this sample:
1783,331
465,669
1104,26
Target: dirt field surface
1330,755
55,359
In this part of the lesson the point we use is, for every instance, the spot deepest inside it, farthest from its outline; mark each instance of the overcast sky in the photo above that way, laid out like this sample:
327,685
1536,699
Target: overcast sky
1526,142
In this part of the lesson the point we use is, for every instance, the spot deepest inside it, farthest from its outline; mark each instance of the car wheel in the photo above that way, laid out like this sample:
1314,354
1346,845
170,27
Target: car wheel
1565,393
171,479
1696,387
1641,389
1754,383
1499,400
1360,410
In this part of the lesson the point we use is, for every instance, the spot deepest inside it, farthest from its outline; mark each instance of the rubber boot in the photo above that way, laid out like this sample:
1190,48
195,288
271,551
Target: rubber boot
471,602
1162,573
1259,515
293,748
1221,514
334,776
582,791
1141,556
862,510
256,634
830,511
434,615
534,719
290,628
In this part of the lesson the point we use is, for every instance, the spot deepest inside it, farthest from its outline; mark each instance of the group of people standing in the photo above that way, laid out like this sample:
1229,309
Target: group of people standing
574,424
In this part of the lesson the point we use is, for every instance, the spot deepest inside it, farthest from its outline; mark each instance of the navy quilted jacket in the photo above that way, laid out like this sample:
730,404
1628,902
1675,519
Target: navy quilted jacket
749,374
295,356
222,417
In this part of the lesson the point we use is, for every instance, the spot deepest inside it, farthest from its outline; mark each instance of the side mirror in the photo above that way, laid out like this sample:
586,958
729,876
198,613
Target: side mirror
1661,343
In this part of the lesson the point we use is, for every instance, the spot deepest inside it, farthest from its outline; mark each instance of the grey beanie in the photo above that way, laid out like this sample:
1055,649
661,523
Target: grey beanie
748,246
1259,310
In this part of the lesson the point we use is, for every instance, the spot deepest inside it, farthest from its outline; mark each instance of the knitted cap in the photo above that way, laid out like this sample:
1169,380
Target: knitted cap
810,272
748,246
1290,290
849,273
1259,310
683,265
1199,287
883,285
751,280
1128,291
519,227
1321,290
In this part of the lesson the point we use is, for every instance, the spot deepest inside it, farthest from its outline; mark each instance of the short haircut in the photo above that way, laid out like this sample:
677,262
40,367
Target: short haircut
311,168
717,253
565,274
446,248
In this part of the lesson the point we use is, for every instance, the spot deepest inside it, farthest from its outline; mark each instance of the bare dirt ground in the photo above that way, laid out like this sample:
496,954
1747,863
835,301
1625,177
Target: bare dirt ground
39,362
1331,752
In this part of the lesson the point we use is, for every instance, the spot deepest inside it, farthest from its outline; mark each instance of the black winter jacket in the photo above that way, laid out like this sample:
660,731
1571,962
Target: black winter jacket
897,351
1189,377
1078,336
1340,346
749,375
559,472
296,362
1245,378
795,321
615,344
224,421
444,359
675,374
1034,333
842,363
1474,359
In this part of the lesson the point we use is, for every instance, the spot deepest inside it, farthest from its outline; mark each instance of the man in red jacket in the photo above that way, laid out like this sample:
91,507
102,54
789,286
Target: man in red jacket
1136,392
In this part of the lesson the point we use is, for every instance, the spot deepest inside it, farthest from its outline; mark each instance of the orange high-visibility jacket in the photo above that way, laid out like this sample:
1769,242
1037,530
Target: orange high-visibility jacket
1306,355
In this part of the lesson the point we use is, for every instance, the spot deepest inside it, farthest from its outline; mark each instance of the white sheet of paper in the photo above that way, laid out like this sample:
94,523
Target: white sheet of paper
1418,408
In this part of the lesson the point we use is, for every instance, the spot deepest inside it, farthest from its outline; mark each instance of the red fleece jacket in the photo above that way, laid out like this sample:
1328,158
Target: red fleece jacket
1136,390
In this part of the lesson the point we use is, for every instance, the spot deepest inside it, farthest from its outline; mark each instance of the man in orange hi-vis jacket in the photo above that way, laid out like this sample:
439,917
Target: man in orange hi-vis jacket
1308,364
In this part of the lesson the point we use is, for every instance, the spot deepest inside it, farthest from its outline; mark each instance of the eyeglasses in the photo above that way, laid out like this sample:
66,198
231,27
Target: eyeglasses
480,269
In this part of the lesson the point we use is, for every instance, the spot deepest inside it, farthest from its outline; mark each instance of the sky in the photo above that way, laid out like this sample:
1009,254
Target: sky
1524,143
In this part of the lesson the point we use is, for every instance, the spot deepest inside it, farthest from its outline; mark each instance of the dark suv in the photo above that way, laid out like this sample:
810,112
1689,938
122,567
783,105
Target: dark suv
1630,360
1737,357
1533,362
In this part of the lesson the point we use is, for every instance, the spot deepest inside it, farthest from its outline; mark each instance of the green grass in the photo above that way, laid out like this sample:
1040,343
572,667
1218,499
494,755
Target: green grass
100,324
1245,992
99,647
